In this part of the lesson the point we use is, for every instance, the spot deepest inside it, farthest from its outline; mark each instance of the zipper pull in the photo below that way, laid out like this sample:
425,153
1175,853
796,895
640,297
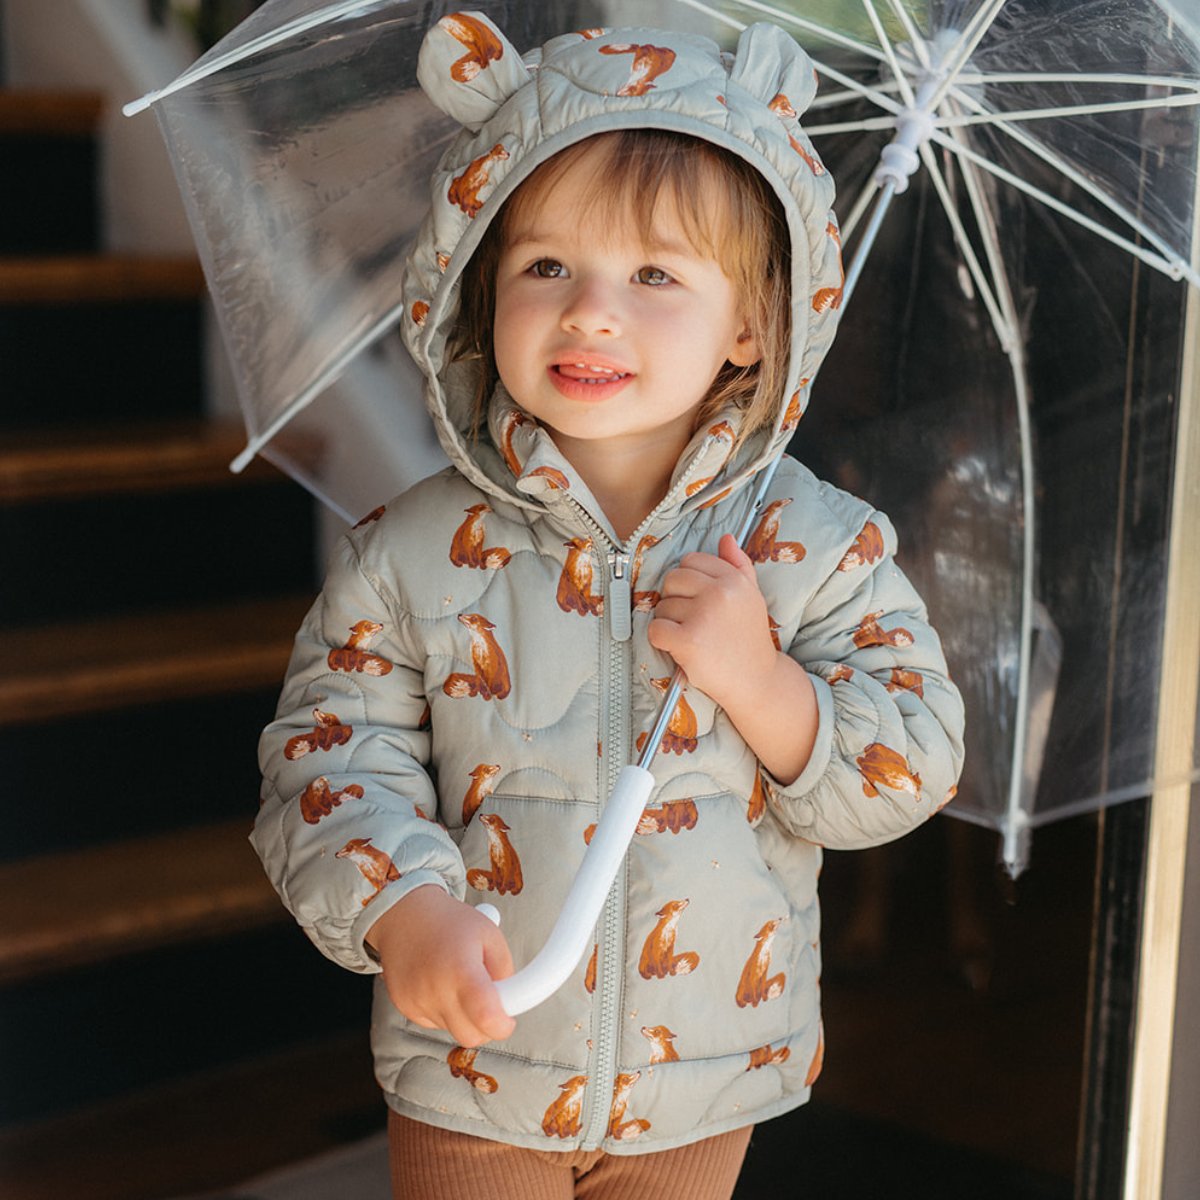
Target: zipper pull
620,597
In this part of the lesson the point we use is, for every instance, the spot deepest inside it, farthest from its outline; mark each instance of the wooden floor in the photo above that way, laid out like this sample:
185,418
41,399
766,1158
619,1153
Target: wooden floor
967,1070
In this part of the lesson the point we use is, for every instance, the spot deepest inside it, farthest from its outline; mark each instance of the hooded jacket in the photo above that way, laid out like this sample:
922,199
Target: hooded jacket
476,671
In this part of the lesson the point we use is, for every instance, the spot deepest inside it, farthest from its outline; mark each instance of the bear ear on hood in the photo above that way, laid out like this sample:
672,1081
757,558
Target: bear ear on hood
468,68
770,65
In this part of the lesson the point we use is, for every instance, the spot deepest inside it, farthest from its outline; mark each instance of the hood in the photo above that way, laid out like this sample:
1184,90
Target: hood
517,112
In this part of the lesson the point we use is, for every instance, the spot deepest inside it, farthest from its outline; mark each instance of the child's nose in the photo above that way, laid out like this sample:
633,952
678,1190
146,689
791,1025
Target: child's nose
591,310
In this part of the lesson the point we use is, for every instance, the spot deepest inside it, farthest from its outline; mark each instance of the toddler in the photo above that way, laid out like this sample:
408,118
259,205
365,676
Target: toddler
628,279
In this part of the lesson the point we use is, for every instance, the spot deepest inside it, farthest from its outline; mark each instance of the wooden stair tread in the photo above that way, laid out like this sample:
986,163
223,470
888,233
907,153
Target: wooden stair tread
86,278
317,1095
57,464
68,669
84,906
50,113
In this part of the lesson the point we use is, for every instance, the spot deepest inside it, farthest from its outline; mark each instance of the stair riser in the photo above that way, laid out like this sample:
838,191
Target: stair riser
196,762
89,1035
48,203
67,560
70,364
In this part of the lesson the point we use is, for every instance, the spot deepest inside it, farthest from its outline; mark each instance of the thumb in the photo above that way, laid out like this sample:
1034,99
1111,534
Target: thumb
729,551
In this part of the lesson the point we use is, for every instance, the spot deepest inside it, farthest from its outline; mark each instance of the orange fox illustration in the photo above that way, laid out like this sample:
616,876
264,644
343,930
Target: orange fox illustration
761,546
465,188
318,800
512,420
462,1066
907,681
764,1056
669,817
870,633
866,548
642,601
827,298
329,732
353,655
781,106
589,976
467,548
757,805
682,728
483,780
482,45
793,413
773,627
553,476
661,1041
505,875
376,867
562,1118
575,583
419,311
818,1058
757,983
649,62
839,674
619,1128
658,958
491,679
881,766
717,498
373,515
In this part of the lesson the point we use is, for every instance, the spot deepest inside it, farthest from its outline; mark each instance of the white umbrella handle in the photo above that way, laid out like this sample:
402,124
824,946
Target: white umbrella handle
568,940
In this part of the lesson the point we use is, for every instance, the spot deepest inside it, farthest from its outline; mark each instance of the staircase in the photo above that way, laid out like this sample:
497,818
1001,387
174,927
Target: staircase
164,1028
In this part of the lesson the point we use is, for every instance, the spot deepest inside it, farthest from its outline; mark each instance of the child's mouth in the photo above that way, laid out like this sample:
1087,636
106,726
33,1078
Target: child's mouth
589,373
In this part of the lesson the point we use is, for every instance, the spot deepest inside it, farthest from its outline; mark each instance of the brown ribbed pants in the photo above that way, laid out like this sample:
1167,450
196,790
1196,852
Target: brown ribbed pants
438,1164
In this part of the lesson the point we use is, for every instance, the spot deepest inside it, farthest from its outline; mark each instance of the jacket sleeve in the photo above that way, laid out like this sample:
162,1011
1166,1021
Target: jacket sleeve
347,824
889,743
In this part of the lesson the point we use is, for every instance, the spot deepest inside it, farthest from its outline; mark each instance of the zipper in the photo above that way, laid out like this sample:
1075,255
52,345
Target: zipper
614,702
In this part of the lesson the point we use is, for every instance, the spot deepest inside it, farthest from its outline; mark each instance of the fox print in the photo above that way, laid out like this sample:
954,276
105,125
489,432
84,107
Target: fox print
376,867
562,1119
505,874
682,728
329,732
462,1066
619,1128
482,781
818,1058
870,633
658,958
828,298
906,681
465,188
353,655
670,816
481,43
762,545
765,1056
510,422
467,548
575,583
757,983
881,766
319,800
491,679
649,62
661,1039
866,548
642,601
756,808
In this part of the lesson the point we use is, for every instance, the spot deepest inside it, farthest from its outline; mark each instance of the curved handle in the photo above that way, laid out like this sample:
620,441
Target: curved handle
568,940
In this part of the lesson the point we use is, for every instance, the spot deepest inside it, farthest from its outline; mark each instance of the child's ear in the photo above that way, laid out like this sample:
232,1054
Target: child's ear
745,350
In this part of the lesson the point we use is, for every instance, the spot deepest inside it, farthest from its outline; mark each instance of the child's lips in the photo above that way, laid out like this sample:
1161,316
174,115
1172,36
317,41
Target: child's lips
581,379
590,372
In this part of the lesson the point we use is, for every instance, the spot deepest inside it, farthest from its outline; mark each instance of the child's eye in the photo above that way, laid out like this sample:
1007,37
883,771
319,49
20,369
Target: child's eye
548,268
653,276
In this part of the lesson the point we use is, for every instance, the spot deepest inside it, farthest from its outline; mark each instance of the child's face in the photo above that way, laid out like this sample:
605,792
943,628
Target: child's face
611,336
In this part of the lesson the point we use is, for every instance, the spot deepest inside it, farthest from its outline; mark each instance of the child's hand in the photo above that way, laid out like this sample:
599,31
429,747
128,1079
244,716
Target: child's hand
712,620
439,957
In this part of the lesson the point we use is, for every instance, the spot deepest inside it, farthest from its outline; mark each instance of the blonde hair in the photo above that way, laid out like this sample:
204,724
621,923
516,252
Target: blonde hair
745,231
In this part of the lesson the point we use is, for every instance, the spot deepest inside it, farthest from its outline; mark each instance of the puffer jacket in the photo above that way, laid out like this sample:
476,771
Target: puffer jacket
476,671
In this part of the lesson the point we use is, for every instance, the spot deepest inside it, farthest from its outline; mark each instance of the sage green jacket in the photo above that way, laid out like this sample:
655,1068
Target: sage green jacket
476,672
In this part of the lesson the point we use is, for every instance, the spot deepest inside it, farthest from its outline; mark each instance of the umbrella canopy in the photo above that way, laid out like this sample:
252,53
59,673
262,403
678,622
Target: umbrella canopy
1016,307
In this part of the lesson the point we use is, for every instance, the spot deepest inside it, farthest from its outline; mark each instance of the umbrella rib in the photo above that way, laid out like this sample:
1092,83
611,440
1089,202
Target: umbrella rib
203,70
1165,261
860,206
1078,110
885,44
790,18
914,36
958,58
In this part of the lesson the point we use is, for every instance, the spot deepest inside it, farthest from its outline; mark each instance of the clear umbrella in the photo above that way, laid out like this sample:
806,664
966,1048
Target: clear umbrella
303,147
